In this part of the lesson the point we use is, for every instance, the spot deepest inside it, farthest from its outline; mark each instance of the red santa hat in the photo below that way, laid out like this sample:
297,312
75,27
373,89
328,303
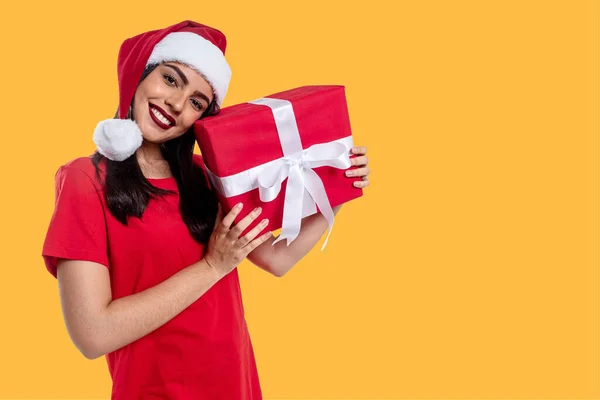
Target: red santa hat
198,46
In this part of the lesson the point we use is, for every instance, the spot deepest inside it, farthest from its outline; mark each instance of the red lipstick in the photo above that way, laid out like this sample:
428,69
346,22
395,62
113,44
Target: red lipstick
159,122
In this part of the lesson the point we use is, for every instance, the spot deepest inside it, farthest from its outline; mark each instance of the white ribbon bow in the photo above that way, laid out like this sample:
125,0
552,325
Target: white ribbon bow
298,168
304,187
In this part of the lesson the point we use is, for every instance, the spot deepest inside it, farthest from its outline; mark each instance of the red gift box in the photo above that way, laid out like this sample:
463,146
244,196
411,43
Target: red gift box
253,150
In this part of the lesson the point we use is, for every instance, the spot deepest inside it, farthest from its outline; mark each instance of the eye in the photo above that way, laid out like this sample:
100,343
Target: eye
170,80
197,105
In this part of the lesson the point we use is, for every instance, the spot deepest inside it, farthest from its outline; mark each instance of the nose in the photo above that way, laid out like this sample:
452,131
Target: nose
175,101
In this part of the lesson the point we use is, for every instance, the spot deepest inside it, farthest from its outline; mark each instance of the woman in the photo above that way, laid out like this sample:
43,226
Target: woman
144,257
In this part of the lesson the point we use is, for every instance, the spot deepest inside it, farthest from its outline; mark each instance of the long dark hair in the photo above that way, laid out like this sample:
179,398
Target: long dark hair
127,191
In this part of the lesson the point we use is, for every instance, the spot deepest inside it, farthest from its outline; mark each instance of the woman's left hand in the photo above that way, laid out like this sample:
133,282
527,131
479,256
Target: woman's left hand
363,170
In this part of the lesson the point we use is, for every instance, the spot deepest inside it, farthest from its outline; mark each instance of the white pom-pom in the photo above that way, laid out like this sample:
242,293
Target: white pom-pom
117,139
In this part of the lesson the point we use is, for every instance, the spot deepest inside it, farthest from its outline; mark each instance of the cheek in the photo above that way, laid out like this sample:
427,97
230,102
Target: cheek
190,118
151,89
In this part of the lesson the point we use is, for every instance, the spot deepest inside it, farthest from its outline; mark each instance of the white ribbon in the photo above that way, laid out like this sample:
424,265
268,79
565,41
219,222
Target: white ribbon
304,187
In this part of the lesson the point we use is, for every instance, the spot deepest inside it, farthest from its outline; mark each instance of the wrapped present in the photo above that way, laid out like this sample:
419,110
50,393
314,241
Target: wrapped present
286,153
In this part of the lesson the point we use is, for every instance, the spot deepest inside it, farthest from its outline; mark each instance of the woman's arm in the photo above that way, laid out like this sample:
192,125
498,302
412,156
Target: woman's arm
278,259
98,325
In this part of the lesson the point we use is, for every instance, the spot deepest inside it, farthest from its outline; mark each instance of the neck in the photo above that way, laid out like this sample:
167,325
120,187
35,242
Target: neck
149,153
151,161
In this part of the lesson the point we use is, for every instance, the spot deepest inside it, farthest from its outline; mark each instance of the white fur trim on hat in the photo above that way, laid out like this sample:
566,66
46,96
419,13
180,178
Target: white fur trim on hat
197,52
117,139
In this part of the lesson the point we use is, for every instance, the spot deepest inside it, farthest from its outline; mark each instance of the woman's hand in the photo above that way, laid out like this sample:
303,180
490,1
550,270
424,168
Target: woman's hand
226,249
363,171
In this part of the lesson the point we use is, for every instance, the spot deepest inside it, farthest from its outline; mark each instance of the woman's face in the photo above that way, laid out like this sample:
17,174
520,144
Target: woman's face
169,101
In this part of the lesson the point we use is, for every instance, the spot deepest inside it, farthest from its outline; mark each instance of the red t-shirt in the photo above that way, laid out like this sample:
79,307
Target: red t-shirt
205,352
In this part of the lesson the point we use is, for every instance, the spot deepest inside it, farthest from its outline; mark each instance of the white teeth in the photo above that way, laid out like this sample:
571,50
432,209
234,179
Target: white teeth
160,117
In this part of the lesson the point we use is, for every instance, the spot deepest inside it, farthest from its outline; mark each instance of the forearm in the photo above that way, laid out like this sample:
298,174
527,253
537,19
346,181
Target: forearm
280,258
129,318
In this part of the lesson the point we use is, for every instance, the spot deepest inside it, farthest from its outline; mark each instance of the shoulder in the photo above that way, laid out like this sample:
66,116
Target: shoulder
84,164
80,170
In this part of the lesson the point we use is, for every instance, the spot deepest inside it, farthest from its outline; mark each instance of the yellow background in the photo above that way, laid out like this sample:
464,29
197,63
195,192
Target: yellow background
468,270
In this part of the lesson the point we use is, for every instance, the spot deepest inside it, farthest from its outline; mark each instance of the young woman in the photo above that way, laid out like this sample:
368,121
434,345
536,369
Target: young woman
144,257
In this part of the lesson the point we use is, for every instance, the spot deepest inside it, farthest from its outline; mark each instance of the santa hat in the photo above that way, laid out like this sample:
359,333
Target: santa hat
195,45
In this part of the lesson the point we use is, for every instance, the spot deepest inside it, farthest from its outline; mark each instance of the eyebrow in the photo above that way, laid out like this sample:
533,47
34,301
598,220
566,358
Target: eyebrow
185,82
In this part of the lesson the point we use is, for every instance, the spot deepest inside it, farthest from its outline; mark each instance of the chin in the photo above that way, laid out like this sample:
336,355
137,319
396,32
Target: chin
154,140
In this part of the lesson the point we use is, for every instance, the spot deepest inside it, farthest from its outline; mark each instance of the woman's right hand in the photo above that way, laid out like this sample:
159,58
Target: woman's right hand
226,249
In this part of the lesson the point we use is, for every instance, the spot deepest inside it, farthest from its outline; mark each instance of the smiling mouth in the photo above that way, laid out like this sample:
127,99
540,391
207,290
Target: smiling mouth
160,117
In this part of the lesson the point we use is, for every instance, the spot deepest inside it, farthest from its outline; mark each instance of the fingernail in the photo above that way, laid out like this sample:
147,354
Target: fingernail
354,149
265,221
349,173
258,209
238,205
